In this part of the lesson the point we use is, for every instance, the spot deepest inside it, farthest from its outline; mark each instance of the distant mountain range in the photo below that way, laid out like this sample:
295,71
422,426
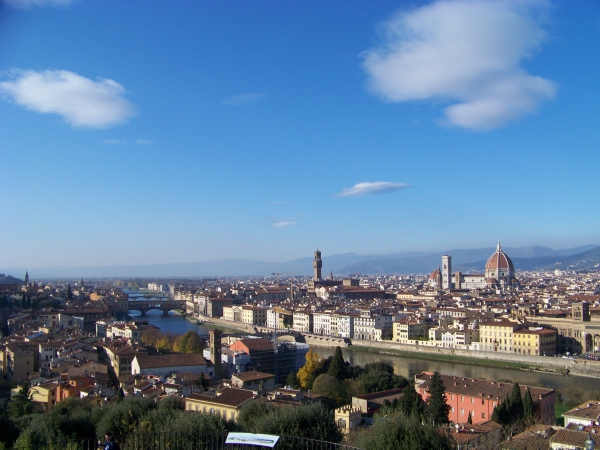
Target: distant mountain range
524,258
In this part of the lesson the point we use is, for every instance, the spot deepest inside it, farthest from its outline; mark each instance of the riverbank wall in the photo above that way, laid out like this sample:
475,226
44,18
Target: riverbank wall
549,364
540,363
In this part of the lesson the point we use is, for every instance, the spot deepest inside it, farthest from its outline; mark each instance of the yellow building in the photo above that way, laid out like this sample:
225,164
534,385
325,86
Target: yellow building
535,341
347,418
18,363
497,335
45,395
403,330
254,315
227,402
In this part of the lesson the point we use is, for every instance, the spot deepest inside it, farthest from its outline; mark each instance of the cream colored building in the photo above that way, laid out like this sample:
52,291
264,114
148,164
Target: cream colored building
408,330
497,335
535,341
347,418
254,315
45,395
226,403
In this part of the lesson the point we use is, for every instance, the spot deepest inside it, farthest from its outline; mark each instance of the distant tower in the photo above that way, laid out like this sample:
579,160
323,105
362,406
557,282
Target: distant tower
26,280
215,351
317,264
446,272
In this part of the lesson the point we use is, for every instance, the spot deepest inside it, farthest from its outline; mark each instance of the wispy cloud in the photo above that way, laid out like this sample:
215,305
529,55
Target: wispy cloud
244,99
371,188
113,141
283,224
468,52
144,142
26,4
80,101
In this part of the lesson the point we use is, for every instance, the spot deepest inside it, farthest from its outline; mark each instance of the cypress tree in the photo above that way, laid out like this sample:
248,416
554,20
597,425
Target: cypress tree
527,405
516,404
411,402
336,367
470,419
437,409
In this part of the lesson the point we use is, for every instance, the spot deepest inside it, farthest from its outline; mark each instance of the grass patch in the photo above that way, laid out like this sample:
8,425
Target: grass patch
448,358
212,326
560,409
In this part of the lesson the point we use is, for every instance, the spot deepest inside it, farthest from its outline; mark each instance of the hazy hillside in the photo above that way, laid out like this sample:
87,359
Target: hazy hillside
8,279
525,258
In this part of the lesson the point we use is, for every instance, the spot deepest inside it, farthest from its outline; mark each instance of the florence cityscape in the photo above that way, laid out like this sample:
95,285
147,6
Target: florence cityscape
299,225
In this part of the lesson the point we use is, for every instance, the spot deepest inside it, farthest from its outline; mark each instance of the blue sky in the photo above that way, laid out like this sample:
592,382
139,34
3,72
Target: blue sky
145,132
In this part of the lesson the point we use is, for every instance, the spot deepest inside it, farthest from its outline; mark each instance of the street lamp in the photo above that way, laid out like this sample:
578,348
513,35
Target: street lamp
589,443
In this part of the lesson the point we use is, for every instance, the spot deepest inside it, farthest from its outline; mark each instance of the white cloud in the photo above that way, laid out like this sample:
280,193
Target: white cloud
283,224
144,142
244,99
26,4
113,141
467,52
79,100
371,188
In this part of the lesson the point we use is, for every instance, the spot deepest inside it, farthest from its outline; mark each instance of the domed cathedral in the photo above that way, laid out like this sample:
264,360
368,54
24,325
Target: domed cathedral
500,270
435,279
499,274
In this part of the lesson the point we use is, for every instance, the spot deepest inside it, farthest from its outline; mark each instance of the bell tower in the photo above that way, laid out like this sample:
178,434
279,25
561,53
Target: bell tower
446,272
317,264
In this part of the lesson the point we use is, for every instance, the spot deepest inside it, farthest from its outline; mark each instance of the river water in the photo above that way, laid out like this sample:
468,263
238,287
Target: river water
406,367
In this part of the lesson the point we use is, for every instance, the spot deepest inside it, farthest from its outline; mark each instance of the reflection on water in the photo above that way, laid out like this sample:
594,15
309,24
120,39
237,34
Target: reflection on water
406,367
171,323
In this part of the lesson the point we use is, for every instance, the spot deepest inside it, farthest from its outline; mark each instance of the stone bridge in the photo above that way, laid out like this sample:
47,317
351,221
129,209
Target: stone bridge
165,305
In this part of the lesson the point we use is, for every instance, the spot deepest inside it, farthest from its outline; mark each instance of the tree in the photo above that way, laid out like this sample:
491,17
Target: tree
151,336
379,376
69,293
516,403
330,387
437,410
164,344
527,406
337,365
190,342
470,419
202,382
21,404
292,380
253,412
120,395
411,402
308,372
398,432
314,421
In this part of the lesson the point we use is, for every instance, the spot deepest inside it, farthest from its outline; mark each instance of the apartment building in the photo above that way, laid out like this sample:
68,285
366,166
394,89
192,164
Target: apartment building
479,397
535,341
497,335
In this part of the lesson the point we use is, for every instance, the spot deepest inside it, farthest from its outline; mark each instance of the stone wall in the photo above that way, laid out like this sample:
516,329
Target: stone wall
575,366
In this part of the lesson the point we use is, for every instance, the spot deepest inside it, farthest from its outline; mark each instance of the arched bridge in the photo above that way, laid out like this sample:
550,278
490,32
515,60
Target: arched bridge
164,304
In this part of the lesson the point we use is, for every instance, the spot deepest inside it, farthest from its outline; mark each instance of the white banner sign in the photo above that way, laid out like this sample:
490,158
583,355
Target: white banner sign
265,440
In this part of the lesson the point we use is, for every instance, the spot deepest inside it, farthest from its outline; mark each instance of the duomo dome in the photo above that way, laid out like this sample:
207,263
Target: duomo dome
499,268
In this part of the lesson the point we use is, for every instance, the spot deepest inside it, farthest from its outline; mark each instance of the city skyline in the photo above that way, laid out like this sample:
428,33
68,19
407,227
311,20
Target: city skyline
152,133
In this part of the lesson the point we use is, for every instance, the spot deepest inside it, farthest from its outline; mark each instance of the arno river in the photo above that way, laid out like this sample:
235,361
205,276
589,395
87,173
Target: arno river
408,367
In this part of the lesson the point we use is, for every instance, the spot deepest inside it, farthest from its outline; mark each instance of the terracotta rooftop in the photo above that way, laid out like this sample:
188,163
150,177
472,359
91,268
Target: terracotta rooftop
227,396
479,388
155,361
253,375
